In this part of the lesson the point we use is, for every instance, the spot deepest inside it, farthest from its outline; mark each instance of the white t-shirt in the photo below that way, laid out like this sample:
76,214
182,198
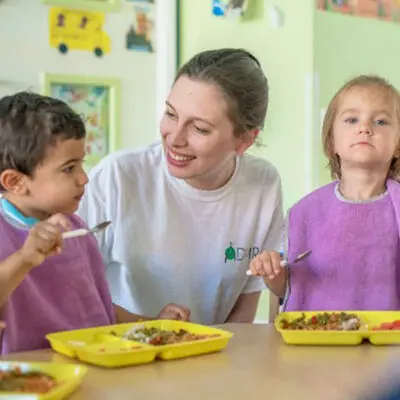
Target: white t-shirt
169,242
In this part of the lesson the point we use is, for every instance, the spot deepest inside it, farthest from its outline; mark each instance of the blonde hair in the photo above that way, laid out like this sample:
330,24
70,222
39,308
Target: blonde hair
365,82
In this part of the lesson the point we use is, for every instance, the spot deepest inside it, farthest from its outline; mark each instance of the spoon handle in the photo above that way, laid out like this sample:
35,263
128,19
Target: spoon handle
75,233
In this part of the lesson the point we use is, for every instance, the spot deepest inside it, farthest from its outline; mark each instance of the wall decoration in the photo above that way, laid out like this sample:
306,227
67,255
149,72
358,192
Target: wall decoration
88,5
97,100
140,34
385,10
71,29
229,8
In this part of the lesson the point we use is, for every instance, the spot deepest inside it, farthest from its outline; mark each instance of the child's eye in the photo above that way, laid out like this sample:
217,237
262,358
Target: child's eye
351,120
69,169
381,122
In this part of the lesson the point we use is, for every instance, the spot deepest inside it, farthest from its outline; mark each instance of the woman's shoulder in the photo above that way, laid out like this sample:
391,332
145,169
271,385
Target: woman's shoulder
129,162
256,170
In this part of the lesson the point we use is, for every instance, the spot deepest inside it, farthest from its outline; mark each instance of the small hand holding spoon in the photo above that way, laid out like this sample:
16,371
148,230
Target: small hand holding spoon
85,231
285,263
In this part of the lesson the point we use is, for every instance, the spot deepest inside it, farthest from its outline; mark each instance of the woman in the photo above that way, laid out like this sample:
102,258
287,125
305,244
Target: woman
190,213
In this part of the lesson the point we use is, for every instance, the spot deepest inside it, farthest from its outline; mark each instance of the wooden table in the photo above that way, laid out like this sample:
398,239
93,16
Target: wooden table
255,365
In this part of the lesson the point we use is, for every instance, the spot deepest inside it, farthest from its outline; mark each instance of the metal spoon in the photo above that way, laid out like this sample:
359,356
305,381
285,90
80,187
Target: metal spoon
285,263
85,231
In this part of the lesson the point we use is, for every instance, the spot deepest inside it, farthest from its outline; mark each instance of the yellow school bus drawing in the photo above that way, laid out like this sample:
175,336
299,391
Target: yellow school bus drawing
78,30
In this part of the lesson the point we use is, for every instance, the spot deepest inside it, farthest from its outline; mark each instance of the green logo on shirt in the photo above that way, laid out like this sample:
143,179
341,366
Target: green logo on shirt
230,253
240,253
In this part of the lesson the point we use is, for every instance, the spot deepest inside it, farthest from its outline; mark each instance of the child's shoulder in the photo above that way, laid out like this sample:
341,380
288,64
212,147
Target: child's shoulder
393,186
316,197
10,238
77,222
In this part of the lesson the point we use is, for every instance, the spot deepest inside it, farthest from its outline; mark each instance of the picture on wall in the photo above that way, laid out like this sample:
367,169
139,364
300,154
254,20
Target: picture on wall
96,100
385,10
87,5
71,29
229,8
140,35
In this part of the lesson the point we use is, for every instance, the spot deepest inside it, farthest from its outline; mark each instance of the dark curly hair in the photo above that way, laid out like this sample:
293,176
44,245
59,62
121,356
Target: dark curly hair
29,124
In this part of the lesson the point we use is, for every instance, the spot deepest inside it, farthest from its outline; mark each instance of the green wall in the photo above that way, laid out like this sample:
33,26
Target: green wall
346,46
286,55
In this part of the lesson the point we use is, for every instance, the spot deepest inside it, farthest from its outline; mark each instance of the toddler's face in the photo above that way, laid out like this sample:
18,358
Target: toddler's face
58,183
366,130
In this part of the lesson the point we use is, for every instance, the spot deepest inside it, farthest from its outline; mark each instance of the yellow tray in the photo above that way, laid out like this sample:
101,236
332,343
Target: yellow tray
97,346
369,320
184,349
389,337
104,346
68,377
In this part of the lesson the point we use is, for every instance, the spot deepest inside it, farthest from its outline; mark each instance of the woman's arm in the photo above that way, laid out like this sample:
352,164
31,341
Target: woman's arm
245,308
170,311
273,308
124,316
277,240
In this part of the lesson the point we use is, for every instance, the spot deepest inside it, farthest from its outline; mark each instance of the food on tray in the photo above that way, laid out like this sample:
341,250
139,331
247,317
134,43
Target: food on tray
387,326
25,382
159,337
324,322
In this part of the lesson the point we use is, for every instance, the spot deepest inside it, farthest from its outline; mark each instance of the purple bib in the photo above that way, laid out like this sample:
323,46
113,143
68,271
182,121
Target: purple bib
65,292
354,264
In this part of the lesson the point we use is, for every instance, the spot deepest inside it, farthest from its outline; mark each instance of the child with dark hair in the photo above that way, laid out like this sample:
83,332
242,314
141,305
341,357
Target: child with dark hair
46,284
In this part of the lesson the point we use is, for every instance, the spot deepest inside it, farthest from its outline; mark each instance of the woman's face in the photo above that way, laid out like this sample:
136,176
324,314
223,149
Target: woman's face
197,135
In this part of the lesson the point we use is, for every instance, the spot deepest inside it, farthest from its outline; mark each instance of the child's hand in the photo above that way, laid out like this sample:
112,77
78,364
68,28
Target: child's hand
2,325
44,240
173,311
268,265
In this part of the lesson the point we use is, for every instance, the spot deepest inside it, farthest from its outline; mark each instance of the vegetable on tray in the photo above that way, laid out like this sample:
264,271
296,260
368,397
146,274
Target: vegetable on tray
26,382
159,337
324,322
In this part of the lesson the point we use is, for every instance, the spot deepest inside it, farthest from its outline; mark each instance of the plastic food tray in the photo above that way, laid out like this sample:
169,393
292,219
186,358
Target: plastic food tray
104,346
369,320
68,377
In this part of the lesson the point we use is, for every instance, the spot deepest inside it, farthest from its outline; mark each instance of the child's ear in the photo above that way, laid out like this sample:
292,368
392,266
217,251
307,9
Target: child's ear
14,182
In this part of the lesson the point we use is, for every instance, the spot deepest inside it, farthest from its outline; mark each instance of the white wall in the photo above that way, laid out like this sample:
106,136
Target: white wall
25,54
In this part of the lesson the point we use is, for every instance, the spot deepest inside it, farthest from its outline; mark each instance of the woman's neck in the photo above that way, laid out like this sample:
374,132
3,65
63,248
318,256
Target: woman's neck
216,179
358,184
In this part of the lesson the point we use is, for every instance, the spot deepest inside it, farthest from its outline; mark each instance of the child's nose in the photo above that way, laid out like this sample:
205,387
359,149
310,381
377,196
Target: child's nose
366,128
83,179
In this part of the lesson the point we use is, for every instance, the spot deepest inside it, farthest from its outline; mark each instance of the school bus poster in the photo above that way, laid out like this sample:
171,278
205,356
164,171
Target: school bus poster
78,30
